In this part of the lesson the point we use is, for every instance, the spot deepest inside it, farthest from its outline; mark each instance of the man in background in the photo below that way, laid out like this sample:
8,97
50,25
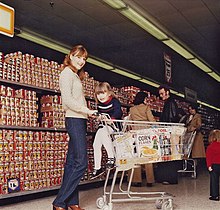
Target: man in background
167,171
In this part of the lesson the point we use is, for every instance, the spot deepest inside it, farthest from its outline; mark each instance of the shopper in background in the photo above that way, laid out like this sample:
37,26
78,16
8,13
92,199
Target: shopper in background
167,171
213,163
170,108
141,111
194,123
107,103
76,111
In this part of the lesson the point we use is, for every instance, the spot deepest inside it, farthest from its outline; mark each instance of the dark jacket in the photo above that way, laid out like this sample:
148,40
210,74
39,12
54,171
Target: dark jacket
170,111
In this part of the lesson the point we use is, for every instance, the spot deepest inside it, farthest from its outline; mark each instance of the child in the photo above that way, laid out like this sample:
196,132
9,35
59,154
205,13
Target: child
213,163
106,103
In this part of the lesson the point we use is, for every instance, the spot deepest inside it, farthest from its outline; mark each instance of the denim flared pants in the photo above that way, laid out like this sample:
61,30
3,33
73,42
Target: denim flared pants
76,163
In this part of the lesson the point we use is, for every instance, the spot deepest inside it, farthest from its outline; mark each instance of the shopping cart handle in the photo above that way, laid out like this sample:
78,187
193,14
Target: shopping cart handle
96,114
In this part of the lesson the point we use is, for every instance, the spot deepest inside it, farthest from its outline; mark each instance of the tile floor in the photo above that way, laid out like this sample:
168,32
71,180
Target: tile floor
189,194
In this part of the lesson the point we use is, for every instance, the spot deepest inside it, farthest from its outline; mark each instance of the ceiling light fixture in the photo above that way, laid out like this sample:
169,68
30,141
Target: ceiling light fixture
215,76
100,63
178,48
44,41
126,74
138,19
52,44
151,28
201,65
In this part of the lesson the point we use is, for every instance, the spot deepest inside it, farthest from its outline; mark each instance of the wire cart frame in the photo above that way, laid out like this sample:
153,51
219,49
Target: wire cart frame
136,143
189,164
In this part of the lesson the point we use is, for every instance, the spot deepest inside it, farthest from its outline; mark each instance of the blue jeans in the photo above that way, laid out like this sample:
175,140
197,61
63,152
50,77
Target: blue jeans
76,163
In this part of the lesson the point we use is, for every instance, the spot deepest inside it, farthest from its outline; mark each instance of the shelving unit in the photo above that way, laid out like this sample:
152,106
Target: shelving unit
33,154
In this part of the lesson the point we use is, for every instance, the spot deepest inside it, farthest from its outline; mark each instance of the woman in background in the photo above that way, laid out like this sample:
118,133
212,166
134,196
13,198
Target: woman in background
194,123
142,112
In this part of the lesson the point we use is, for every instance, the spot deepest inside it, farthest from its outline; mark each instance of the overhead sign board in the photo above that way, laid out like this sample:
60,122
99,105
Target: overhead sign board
6,20
190,95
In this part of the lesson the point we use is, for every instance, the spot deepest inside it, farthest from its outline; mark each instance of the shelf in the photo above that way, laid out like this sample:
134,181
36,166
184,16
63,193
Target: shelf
9,127
35,88
28,192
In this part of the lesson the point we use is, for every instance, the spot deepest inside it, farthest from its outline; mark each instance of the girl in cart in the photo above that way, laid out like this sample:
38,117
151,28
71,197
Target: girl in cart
107,103
213,163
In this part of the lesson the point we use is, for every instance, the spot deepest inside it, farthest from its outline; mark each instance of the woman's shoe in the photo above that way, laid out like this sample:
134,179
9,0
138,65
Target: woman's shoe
58,208
213,198
75,207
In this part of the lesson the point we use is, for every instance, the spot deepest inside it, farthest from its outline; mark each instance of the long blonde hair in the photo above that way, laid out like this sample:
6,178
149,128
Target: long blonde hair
103,87
79,50
214,136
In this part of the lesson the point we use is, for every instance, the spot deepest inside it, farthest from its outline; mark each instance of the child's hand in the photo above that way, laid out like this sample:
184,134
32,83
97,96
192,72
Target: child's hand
210,168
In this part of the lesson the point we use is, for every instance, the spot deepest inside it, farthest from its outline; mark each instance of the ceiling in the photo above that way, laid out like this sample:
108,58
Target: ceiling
111,37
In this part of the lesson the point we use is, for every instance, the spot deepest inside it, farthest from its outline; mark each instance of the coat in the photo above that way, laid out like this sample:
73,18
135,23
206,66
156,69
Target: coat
198,148
141,112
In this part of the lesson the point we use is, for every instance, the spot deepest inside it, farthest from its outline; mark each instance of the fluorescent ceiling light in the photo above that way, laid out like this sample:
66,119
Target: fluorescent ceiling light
127,74
177,93
215,76
178,48
201,65
149,83
139,20
36,38
116,4
100,63
208,105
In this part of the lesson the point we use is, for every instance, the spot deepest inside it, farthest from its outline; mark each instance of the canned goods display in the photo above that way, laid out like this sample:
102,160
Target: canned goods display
27,159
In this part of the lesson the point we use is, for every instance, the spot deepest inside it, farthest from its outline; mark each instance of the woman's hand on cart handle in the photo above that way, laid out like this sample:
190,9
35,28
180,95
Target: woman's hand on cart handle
92,113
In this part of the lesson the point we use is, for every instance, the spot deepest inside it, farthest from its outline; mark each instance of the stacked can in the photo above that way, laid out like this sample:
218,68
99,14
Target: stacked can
52,112
18,107
27,69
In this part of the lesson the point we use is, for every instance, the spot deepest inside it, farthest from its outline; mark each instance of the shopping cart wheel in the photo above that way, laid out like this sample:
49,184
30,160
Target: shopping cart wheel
100,202
159,203
167,205
106,207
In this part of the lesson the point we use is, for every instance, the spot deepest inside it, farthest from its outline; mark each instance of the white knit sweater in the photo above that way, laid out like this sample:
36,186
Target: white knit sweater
73,99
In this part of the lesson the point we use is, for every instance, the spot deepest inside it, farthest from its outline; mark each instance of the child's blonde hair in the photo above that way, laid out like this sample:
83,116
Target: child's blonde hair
104,87
214,135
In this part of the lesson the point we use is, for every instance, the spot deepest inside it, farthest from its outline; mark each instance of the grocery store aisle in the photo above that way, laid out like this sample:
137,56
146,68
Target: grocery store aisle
190,194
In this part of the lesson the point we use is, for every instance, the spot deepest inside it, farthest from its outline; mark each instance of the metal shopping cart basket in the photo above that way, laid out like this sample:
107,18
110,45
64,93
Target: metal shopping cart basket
136,143
189,164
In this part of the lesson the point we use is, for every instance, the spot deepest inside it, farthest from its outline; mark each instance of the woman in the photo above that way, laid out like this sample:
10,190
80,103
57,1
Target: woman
141,111
194,123
76,111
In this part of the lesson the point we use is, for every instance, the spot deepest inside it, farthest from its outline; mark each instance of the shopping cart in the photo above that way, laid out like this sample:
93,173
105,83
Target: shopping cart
136,143
189,164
